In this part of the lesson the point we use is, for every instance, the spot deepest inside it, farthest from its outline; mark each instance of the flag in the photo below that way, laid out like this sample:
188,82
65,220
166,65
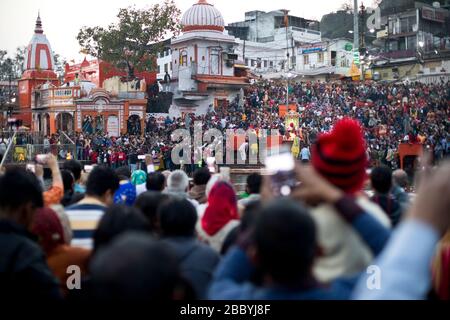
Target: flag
286,19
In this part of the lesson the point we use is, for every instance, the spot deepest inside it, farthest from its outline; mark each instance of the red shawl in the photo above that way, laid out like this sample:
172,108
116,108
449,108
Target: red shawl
222,208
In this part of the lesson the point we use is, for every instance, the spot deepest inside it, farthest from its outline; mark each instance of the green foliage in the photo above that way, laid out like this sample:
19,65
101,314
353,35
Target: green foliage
12,67
134,41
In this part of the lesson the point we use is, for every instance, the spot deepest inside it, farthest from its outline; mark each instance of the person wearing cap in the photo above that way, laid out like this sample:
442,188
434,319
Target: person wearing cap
340,157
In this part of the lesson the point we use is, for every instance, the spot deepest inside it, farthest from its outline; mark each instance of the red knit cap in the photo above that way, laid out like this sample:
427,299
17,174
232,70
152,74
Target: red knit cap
340,156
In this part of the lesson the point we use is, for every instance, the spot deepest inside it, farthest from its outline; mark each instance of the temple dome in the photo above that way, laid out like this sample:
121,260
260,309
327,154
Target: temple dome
202,16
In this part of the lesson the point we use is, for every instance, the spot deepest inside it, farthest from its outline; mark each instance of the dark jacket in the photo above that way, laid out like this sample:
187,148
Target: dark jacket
390,206
197,262
24,273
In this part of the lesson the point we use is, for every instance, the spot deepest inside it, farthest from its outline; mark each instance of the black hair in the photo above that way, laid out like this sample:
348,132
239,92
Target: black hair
381,179
117,220
285,239
123,171
254,182
155,181
100,180
177,217
135,267
19,187
201,176
68,180
149,202
75,167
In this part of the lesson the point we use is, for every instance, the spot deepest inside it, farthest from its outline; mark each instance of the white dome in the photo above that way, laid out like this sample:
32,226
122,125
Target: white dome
38,54
202,16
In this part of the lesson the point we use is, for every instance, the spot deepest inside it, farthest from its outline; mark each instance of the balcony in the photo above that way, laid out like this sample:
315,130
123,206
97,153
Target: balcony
399,54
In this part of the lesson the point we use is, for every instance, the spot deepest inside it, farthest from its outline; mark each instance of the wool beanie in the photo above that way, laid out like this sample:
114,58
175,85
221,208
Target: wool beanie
340,156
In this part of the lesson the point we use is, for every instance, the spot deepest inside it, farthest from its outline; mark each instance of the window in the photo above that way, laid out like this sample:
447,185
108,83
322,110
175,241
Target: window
333,58
385,74
306,59
159,68
246,62
320,57
183,58
258,63
271,64
265,63
166,67
171,67
214,61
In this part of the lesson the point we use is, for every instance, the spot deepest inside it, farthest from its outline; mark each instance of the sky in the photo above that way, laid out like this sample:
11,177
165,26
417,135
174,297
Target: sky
62,19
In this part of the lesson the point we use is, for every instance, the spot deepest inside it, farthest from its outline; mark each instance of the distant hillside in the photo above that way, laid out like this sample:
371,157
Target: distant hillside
336,25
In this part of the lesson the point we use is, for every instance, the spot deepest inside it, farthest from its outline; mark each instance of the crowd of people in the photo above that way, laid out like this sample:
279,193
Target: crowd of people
145,234
389,113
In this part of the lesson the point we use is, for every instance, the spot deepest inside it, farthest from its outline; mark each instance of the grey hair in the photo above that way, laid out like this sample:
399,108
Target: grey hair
178,181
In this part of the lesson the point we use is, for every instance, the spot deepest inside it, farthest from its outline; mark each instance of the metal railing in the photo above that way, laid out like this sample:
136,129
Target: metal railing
27,152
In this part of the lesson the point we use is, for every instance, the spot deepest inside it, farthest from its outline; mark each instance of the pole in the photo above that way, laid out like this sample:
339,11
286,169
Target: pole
355,25
286,23
7,149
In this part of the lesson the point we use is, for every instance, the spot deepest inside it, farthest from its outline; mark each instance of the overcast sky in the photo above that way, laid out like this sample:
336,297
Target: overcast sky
62,19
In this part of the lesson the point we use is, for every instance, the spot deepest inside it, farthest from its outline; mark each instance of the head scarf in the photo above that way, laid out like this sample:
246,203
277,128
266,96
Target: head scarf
138,177
222,208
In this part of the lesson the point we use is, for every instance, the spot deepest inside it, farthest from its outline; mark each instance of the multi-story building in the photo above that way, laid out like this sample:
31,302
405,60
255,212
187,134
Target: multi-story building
413,42
204,74
324,60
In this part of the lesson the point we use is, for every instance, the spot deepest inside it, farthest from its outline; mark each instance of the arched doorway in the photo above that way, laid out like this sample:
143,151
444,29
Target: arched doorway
134,125
64,122
112,126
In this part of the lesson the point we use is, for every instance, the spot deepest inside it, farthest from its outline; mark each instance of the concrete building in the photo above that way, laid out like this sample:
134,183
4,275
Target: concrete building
412,43
204,73
325,60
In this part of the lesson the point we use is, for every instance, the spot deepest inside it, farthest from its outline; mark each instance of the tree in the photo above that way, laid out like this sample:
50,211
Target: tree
60,62
132,43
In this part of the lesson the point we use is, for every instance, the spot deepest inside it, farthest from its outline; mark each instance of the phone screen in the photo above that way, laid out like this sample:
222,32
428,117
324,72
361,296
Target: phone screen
31,167
281,169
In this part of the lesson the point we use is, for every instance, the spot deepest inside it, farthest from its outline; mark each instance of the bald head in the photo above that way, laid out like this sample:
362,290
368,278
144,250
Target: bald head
400,178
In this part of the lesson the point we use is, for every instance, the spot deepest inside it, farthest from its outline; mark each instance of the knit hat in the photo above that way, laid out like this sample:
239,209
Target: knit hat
138,177
340,156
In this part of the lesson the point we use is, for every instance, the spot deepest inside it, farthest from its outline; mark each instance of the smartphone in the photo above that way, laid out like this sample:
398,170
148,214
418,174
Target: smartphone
281,169
211,163
88,168
31,167
141,157
41,158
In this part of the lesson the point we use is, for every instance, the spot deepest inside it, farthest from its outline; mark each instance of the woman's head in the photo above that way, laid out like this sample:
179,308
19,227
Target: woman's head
222,207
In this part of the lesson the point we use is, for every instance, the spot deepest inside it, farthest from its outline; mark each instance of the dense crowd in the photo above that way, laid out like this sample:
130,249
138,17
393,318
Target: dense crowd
120,234
389,113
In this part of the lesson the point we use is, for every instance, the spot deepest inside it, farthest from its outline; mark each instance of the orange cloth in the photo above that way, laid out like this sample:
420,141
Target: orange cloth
53,196
64,256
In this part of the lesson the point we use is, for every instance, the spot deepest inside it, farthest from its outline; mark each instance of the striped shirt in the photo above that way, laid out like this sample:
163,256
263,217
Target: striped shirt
83,221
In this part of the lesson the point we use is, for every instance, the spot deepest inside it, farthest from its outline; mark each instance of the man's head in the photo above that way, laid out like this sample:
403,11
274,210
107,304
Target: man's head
400,178
118,219
178,182
155,182
75,167
254,181
148,203
177,218
135,267
102,183
123,172
68,180
201,176
381,179
20,196
285,241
